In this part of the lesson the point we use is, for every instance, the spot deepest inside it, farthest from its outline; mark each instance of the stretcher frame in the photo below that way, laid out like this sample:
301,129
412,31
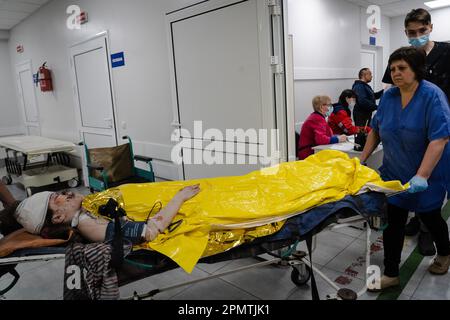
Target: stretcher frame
300,263
298,260
51,166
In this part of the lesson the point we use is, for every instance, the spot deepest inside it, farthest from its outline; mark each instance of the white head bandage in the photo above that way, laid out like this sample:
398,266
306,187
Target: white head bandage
32,211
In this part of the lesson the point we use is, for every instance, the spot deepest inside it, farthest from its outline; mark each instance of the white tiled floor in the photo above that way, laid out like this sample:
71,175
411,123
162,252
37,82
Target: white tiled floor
336,251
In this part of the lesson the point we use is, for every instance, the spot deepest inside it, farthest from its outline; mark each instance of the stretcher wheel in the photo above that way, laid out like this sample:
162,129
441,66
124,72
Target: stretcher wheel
7,180
347,294
300,274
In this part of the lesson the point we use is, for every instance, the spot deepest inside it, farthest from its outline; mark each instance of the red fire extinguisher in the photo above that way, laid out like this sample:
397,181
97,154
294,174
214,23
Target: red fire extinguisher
45,78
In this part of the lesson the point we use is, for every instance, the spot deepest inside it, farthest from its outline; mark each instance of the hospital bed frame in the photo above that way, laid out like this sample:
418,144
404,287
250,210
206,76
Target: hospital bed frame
298,260
38,162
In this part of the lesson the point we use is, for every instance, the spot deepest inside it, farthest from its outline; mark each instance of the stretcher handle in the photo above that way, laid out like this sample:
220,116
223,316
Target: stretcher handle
397,193
16,276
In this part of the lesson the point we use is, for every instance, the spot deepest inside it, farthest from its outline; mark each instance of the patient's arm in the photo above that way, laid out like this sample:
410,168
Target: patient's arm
163,219
94,229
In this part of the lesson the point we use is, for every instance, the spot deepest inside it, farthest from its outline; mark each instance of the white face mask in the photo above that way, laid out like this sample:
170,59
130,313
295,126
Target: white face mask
329,112
352,105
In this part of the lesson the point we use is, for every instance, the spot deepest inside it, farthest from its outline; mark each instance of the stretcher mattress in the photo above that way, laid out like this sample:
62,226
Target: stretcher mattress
35,145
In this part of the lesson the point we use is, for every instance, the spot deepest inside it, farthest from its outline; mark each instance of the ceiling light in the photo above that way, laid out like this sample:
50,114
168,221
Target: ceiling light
437,4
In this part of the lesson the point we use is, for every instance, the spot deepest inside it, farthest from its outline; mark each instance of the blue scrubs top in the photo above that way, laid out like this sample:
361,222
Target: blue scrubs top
406,134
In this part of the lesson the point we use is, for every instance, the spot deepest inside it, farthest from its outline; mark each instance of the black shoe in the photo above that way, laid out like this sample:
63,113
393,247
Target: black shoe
413,227
426,244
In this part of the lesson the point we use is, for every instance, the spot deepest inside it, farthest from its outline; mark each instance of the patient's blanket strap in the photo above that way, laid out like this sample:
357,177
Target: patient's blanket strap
11,269
314,291
113,211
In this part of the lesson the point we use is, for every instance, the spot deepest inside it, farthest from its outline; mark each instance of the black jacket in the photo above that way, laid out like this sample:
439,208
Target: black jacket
366,100
438,67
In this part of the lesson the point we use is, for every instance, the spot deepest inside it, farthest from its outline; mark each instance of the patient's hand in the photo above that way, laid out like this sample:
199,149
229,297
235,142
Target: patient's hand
343,138
188,193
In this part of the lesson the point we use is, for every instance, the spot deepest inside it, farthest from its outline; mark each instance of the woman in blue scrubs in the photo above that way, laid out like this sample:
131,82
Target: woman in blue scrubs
413,123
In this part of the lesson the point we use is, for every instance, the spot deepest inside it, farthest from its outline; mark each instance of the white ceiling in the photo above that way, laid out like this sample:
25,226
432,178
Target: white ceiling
14,11
393,8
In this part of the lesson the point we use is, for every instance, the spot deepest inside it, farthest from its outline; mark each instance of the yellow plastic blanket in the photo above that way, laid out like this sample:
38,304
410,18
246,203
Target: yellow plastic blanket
245,203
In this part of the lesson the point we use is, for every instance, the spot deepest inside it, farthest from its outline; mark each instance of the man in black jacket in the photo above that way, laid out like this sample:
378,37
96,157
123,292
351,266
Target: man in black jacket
418,28
366,101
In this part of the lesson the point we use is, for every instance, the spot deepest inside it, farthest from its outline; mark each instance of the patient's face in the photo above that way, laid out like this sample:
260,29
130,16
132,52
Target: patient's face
64,206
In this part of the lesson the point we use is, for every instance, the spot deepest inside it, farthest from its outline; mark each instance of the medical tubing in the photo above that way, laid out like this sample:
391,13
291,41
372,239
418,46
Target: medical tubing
152,227
151,210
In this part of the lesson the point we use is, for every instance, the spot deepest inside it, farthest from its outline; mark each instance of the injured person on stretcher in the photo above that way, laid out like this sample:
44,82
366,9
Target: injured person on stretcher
228,212
52,215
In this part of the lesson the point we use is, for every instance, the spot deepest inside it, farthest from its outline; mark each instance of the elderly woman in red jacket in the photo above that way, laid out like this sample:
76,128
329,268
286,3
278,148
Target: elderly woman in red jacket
340,121
315,130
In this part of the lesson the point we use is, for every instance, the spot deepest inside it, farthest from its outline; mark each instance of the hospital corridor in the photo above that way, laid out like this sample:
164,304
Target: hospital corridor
225,157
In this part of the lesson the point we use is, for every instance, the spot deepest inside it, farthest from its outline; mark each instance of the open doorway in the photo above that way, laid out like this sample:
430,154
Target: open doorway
372,57
93,93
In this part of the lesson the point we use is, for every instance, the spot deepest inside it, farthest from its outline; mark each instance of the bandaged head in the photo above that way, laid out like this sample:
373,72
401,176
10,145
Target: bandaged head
32,211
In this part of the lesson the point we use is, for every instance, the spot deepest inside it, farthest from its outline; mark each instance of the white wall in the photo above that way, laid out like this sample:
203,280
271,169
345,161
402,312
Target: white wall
142,87
10,119
328,38
441,31
4,35
383,45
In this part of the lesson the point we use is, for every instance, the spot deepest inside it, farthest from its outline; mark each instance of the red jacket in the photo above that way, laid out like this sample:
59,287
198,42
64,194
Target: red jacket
315,132
341,122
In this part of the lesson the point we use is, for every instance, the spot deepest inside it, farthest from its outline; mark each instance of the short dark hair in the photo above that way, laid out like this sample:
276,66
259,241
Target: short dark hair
346,94
415,57
361,72
418,15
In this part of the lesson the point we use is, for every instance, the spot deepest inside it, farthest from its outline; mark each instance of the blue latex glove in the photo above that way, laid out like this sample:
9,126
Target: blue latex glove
418,184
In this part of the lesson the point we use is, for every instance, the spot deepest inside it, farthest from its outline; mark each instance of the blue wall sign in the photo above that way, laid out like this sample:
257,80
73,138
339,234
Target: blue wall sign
36,78
117,59
373,41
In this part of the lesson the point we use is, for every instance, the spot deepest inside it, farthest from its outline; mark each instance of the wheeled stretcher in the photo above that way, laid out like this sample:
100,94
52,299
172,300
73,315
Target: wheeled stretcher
282,246
38,161
246,216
